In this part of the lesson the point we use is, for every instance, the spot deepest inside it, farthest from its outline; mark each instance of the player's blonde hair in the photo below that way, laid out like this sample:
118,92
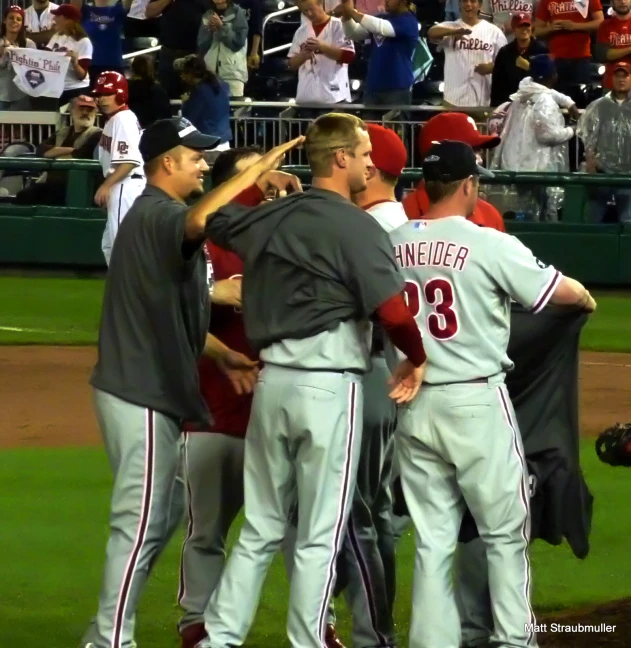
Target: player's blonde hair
328,134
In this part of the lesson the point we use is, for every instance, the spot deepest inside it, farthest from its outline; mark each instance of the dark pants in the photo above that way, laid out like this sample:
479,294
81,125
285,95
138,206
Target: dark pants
388,98
572,74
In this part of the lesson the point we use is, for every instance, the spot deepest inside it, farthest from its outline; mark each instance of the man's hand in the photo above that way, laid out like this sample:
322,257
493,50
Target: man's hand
102,195
227,292
522,63
254,60
241,371
311,45
405,382
279,181
344,10
459,32
573,112
215,22
563,25
484,68
590,164
590,306
273,159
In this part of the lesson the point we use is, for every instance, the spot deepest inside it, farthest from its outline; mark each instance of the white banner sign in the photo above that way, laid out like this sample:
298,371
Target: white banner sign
39,73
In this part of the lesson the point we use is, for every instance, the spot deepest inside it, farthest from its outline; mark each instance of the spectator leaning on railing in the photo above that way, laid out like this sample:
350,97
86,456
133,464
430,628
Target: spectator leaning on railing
222,41
70,37
75,141
39,21
207,105
104,23
12,34
320,52
393,35
605,128
613,40
568,25
512,61
470,45
147,99
179,25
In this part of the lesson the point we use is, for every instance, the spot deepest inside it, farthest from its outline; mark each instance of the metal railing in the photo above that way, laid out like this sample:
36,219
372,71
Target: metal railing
266,21
33,127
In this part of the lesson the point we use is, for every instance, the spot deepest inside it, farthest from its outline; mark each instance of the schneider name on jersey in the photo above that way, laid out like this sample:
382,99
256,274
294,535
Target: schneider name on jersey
460,279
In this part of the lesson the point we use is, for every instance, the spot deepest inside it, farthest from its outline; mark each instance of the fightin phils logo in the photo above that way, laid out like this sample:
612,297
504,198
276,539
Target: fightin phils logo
35,78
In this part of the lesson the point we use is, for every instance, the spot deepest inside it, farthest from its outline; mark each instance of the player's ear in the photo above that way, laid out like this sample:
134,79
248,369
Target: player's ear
371,172
340,158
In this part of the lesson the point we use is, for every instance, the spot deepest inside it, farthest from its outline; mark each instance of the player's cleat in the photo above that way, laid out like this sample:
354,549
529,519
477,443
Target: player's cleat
331,639
192,635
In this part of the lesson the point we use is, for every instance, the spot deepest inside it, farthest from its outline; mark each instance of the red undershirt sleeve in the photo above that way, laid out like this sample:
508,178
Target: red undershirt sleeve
401,328
250,197
348,56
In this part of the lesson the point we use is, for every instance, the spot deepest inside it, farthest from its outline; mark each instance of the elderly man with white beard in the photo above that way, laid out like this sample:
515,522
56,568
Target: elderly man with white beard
76,141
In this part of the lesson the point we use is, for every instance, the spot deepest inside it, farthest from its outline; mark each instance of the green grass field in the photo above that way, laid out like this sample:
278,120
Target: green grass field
54,509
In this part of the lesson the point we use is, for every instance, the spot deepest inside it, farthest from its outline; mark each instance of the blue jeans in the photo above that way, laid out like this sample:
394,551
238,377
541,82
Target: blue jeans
600,196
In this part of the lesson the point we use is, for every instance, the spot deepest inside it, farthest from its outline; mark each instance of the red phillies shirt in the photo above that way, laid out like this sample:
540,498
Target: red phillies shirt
617,34
416,204
565,44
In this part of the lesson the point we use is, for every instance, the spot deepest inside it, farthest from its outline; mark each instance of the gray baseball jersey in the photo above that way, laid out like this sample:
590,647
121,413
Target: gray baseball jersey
459,440
460,279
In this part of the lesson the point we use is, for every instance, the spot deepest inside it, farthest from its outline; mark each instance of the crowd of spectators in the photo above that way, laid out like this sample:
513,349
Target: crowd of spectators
340,51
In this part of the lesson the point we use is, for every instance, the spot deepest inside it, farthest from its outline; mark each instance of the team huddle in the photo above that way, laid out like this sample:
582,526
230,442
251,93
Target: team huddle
345,347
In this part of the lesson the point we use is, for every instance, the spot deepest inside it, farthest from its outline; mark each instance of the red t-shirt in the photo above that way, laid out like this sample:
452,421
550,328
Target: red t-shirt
416,204
565,44
617,34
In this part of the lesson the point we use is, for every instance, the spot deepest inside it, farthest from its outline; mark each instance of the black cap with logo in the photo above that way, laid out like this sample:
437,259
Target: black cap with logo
450,161
165,134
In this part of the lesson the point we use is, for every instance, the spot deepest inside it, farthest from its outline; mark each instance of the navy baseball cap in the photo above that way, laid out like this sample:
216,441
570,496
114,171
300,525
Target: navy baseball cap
165,134
542,67
449,161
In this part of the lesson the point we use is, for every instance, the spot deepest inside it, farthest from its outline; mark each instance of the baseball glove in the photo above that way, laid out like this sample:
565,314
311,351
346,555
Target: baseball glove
613,446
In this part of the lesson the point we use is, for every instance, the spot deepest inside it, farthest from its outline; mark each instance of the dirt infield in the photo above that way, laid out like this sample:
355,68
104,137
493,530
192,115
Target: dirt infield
46,402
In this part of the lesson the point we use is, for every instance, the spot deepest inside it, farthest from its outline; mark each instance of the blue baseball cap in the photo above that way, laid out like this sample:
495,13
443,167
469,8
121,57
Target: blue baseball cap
542,67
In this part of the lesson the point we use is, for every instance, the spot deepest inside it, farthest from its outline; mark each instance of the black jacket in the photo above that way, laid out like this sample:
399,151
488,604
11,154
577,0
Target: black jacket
148,101
506,75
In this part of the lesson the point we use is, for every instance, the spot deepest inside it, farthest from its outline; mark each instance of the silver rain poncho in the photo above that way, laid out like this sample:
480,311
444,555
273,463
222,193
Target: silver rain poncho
535,138
605,128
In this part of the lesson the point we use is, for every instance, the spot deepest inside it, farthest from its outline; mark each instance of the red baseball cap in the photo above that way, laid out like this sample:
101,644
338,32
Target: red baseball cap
519,20
621,65
68,11
457,127
388,151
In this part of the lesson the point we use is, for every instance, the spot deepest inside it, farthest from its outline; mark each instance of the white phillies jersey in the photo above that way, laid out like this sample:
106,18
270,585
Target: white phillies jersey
322,80
119,143
388,213
464,86
35,22
502,10
83,49
460,279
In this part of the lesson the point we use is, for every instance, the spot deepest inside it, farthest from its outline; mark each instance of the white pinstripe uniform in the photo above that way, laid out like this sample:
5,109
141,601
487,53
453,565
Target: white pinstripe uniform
119,145
464,86
322,80
42,22
459,441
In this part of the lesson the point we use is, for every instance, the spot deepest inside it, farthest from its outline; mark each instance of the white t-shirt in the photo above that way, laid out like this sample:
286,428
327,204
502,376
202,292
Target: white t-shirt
322,80
119,143
463,86
389,214
503,10
138,9
35,22
83,49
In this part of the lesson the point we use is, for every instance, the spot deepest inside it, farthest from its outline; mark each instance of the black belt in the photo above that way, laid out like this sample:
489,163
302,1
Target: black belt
475,381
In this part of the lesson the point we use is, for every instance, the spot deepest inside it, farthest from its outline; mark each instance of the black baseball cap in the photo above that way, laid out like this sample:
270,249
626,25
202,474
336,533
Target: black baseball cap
449,161
165,134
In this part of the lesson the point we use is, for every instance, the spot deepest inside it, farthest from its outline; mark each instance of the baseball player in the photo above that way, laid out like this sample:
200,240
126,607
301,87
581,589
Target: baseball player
321,53
458,440
368,555
118,154
310,285
153,330
470,45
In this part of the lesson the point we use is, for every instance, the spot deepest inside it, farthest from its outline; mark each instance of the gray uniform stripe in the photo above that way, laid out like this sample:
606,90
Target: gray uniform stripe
141,534
189,528
341,514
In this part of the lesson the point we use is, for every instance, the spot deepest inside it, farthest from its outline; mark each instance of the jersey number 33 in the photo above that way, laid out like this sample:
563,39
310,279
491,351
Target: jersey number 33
442,322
